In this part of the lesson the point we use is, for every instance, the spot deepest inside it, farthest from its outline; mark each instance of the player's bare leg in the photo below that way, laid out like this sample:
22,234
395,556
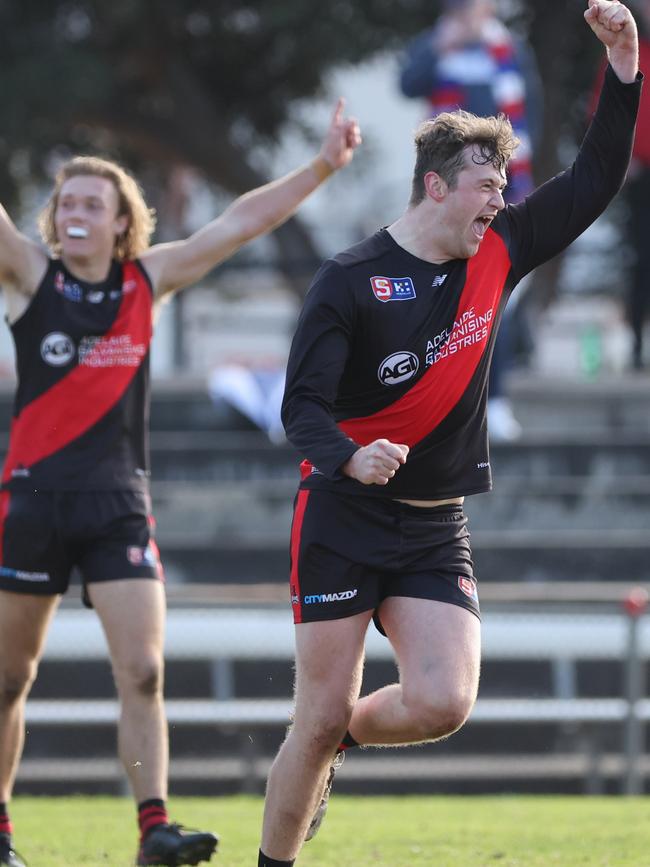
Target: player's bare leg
329,666
133,616
437,646
23,626
132,613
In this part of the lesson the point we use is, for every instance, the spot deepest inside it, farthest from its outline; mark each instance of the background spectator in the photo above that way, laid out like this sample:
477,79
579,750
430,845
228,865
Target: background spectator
470,60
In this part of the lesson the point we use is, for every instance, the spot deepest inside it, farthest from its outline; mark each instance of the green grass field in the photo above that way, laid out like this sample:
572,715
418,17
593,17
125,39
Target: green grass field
375,831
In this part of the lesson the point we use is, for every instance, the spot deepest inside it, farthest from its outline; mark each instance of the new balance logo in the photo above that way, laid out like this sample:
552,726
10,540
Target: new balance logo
439,280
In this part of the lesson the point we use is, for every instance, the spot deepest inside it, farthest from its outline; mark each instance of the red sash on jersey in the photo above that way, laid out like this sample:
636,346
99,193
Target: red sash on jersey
83,397
418,412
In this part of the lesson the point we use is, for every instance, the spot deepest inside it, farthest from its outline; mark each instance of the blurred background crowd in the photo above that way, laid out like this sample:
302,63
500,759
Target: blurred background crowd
206,99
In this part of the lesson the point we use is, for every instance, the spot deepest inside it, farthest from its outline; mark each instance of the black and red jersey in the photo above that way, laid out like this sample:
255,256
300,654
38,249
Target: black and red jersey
391,346
82,400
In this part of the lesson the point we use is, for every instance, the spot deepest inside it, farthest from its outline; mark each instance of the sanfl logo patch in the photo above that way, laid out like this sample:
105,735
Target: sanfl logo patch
393,288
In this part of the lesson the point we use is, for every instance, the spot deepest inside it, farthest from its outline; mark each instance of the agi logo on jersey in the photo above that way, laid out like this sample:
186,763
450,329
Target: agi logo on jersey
398,367
393,288
57,349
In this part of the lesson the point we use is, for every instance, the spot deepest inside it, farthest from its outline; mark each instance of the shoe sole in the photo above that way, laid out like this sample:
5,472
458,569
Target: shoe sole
196,852
191,854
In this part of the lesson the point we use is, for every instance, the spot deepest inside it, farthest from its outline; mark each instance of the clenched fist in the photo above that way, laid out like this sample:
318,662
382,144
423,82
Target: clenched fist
376,463
613,24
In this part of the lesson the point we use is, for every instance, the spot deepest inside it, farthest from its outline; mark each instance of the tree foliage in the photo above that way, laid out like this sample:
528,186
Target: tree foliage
166,82
199,82
187,81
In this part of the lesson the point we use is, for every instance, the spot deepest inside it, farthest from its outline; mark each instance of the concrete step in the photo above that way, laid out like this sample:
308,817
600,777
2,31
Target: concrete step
544,403
263,509
578,406
573,769
224,457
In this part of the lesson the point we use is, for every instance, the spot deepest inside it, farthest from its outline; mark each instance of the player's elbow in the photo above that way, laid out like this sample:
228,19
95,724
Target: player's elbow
294,417
286,417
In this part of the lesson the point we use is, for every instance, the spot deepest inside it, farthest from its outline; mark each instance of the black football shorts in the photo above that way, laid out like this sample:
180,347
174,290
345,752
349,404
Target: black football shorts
349,553
107,535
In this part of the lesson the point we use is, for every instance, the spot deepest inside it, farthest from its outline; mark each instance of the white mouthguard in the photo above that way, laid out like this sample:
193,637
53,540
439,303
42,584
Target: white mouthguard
76,232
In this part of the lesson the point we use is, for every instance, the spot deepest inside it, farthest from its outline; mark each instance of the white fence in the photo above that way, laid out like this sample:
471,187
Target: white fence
227,634
224,635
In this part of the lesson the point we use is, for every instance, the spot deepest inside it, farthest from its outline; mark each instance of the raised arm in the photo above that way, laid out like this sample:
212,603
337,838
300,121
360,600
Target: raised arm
22,265
556,213
613,24
177,264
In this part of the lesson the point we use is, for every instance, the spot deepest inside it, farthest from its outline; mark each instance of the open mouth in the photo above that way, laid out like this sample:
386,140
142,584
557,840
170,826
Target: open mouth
480,226
76,232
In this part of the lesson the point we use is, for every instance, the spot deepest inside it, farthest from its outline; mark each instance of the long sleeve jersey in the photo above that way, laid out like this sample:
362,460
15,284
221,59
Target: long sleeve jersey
391,346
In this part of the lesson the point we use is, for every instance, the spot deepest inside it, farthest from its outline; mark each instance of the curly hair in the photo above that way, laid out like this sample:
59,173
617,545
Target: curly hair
440,146
142,219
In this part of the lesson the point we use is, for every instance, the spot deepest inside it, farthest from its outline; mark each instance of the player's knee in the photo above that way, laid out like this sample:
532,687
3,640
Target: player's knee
438,716
328,729
454,715
16,683
143,676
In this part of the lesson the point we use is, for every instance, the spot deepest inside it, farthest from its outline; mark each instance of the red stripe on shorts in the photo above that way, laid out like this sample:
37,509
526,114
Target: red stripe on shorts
4,511
296,531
